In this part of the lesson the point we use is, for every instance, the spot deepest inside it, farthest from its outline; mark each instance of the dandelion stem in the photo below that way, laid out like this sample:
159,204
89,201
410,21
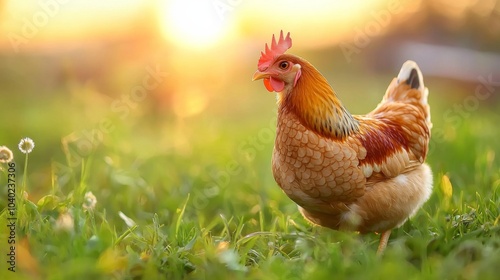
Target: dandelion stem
25,174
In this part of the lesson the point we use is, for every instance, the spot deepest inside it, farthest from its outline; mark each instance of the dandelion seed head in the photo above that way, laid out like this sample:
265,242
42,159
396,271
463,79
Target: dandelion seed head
5,155
64,222
89,201
26,145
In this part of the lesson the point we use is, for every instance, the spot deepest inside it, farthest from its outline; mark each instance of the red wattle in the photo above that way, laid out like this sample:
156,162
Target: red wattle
277,85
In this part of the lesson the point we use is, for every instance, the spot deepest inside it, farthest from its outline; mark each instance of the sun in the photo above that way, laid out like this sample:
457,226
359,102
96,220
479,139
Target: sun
192,23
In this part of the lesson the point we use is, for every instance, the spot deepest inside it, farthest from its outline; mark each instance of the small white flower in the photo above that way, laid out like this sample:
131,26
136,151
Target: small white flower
5,155
89,201
26,145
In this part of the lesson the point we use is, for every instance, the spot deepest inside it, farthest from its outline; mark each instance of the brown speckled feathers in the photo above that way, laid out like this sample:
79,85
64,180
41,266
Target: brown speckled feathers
327,173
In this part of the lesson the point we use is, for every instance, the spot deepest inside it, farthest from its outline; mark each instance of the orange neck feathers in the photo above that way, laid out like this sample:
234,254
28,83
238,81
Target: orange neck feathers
316,105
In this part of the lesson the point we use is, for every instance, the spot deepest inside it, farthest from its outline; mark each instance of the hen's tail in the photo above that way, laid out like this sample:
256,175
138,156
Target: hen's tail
411,75
409,88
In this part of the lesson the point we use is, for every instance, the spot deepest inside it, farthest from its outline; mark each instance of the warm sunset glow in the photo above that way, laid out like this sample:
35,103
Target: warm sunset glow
188,24
192,23
58,20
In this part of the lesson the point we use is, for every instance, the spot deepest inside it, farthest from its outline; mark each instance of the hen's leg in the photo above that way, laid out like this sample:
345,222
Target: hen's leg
384,238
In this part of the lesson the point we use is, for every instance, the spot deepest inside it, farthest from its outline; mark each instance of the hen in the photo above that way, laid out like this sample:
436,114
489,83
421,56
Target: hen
350,172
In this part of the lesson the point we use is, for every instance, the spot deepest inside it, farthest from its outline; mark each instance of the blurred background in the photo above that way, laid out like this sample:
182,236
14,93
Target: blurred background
132,81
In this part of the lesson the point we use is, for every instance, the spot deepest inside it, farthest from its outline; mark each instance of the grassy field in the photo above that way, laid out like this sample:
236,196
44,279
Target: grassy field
193,197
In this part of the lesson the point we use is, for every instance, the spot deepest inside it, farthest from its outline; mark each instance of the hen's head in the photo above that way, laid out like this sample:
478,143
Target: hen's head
303,91
279,70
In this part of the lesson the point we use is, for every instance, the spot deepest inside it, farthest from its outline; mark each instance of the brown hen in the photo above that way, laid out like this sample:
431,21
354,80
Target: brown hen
351,172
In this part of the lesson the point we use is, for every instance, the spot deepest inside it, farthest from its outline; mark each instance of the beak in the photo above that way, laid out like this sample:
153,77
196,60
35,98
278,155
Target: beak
259,75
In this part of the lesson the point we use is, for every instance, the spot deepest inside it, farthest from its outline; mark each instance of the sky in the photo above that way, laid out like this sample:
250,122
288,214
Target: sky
186,23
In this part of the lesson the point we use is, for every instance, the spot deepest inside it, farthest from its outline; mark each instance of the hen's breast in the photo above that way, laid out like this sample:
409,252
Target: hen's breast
317,173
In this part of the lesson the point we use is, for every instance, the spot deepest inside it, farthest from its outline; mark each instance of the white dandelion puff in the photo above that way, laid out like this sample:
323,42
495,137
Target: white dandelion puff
6,155
89,201
26,145
64,222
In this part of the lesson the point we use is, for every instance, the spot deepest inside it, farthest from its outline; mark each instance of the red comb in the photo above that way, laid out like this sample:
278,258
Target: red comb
276,49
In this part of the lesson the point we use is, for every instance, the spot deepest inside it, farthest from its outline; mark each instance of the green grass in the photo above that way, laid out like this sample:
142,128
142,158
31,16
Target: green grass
204,204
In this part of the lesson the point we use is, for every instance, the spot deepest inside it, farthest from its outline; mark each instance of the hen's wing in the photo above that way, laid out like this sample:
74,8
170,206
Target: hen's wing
396,134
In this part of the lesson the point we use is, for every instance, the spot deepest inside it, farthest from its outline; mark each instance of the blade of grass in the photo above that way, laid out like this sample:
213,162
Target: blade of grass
179,218
125,234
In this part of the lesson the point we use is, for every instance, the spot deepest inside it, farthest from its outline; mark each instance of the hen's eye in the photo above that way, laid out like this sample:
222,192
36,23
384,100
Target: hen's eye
283,65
